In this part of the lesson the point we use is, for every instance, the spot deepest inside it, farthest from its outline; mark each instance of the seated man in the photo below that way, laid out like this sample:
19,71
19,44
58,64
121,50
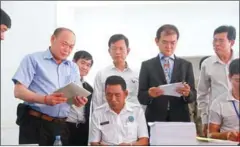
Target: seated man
118,122
224,112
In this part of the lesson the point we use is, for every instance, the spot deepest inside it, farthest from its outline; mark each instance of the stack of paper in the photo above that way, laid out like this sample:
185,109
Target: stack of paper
170,89
173,133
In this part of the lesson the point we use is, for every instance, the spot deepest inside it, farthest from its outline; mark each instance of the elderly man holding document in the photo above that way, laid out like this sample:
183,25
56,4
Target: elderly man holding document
43,114
166,68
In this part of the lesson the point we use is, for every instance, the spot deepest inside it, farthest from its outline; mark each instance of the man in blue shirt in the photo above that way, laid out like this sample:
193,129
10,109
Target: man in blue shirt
39,75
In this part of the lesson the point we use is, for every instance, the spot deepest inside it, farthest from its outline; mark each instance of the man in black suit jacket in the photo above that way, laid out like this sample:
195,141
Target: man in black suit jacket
78,120
161,107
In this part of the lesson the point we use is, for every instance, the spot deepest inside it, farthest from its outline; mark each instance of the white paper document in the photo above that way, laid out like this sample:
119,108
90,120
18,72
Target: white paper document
173,133
170,89
71,90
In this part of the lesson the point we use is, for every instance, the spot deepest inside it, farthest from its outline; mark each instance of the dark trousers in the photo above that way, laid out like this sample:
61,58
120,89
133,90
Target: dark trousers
38,131
77,134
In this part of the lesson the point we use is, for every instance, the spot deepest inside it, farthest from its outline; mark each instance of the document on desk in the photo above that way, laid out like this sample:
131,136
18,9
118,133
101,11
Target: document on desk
170,89
173,133
71,90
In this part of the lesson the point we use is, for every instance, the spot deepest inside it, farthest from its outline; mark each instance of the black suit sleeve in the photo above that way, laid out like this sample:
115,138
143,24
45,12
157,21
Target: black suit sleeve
143,96
87,106
191,81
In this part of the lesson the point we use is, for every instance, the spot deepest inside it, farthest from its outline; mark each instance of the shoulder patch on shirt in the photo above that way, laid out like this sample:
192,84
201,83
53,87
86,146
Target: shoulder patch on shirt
104,123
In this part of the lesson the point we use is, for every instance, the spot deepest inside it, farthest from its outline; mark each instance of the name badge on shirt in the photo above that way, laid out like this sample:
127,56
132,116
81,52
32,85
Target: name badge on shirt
130,119
104,123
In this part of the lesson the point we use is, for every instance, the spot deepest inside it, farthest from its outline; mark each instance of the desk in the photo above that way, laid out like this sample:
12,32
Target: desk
180,133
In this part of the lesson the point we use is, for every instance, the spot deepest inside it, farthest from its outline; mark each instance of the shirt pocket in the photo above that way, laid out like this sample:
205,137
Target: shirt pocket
108,132
68,79
131,130
132,86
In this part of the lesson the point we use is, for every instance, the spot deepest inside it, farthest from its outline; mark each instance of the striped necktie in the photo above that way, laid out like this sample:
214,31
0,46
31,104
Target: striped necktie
166,68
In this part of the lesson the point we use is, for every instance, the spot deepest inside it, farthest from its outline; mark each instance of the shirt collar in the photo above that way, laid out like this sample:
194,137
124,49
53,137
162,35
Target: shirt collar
218,60
126,66
126,107
161,56
48,55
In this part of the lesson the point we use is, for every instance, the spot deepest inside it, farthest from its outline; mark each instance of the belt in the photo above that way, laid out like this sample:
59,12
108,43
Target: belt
46,117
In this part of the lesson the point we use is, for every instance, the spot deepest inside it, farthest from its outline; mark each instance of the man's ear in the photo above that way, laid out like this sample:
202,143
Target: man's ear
53,38
229,77
156,40
128,50
232,42
126,92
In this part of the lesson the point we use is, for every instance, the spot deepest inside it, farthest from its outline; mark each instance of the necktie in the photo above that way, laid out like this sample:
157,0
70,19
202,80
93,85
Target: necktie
166,67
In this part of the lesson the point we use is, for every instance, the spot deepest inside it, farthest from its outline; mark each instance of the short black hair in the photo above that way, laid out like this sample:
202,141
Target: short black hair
230,30
116,37
234,67
201,61
116,80
57,31
83,55
169,29
5,19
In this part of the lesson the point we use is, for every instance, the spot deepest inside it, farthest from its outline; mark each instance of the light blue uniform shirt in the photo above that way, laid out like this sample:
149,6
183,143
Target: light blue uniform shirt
41,74
171,62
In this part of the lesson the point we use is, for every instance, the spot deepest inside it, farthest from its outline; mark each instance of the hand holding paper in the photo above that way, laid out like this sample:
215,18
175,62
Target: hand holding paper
79,101
73,90
171,89
185,90
54,99
155,92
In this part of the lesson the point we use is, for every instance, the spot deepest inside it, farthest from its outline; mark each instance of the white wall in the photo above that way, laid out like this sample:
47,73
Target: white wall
32,25
34,22
139,21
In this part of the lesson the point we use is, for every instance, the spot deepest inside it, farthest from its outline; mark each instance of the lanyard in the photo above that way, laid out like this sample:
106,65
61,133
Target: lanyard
236,109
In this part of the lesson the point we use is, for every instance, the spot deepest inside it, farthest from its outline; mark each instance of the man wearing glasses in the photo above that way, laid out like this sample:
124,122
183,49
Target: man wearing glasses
213,80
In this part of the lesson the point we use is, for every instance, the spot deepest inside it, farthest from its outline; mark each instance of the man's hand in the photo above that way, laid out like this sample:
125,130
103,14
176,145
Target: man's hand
185,90
54,99
79,101
125,144
155,92
102,144
233,136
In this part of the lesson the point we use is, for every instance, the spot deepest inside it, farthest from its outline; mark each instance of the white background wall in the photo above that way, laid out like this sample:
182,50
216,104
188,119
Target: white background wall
94,23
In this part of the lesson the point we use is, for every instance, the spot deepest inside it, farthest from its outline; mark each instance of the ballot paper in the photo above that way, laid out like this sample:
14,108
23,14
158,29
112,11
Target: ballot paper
173,133
170,89
71,90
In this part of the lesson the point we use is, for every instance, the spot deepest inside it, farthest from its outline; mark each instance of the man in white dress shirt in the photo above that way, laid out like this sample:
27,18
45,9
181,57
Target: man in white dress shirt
213,80
224,113
118,49
78,119
118,122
